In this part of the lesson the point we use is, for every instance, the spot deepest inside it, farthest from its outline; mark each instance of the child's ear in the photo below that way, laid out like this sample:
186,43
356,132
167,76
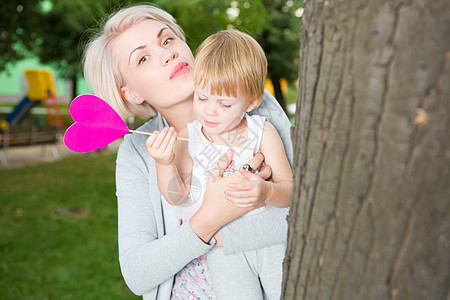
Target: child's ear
130,96
252,105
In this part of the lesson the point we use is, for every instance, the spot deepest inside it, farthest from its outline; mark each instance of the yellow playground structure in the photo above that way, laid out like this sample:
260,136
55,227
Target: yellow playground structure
41,89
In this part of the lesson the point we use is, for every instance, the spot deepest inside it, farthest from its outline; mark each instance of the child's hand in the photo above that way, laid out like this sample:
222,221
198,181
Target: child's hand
256,190
160,145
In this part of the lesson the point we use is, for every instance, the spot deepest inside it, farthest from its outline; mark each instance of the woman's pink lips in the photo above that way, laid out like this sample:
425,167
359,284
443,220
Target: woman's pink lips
179,69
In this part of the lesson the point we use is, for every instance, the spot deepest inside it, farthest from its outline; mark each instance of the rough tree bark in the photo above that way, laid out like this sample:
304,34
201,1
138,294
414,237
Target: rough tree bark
370,217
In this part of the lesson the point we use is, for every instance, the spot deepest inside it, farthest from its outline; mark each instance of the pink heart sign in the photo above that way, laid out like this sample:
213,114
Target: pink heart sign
96,124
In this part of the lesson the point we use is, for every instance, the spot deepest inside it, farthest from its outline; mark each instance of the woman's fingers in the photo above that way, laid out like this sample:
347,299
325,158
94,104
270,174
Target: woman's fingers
172,141
160,141
160,145
166,139
151,140
154,141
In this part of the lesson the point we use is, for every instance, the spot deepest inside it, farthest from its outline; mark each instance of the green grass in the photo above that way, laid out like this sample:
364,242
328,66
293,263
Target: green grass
47,252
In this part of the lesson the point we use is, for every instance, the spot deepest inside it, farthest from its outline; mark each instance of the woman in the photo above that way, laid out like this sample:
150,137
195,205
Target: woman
140,63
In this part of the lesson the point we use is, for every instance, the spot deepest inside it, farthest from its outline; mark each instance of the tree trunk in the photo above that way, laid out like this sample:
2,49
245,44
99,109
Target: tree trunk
370,215
74,80
71,88
278,92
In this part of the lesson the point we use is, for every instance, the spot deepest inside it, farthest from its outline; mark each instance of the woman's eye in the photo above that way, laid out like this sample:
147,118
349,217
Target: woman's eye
225,105
202,99
167,41
144,59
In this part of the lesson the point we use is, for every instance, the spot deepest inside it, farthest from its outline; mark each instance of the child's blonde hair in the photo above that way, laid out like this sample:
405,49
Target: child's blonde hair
102,72
229,61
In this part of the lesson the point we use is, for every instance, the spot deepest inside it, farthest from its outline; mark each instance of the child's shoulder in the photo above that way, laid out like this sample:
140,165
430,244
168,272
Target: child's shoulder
269,132
268,127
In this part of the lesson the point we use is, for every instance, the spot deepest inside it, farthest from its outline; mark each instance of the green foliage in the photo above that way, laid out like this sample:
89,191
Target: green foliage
281,38
51,48
64,30
59,231
201,18
197,18
56,30
16,16
52,30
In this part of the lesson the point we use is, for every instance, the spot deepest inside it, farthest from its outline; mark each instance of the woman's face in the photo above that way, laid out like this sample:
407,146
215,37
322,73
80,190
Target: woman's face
155,64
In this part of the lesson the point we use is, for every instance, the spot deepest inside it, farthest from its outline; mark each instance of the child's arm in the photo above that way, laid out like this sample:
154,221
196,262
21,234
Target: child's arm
256,190
172,165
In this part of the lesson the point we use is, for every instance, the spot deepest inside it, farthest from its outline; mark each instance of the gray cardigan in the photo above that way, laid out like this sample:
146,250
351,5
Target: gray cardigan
153,247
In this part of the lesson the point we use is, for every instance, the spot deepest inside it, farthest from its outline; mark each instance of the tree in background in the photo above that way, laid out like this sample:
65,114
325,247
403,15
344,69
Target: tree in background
16,19
44,30
370,215
281,42
58,45
63,31
56,31
201,18
273,23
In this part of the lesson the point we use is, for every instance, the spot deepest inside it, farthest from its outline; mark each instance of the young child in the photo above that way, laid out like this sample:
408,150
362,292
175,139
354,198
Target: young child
229,76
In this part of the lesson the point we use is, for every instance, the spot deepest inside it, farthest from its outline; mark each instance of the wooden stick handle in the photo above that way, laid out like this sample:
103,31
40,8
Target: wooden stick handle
196,141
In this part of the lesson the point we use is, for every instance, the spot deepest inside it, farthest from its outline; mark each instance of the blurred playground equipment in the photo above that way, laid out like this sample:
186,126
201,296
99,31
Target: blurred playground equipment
18,129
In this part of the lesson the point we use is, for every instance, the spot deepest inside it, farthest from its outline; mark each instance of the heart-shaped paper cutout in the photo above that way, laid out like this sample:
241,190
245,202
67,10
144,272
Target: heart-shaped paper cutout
96,124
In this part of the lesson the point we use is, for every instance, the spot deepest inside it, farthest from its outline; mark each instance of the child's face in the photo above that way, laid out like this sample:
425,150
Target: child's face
219,113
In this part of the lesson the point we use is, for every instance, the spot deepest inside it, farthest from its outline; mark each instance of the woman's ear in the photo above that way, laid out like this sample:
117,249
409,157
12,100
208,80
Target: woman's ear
131,96
252,105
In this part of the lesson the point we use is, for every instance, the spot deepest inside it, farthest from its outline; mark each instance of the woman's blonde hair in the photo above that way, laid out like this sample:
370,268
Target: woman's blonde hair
229,61
102,72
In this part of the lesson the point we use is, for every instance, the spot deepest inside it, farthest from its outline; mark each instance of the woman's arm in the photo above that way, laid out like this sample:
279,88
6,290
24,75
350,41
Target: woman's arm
149,251
148,254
